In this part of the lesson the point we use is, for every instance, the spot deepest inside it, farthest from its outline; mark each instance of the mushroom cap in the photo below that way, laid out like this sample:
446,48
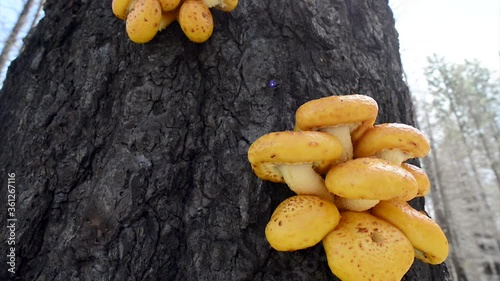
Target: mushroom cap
143,20
279,148
196,21
423,182
428,239
335,111
371,178
121,8
300,222
364,247
169,5
392,136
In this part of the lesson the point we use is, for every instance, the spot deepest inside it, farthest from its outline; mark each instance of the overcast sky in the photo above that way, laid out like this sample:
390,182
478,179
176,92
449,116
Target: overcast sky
454,29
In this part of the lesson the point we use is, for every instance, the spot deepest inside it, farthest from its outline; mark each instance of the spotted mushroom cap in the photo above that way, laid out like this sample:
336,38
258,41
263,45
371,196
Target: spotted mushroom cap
169,5
301,222
196,21
428,239
364,247
371,178
291,148
358,110
392,136
144,20
121,8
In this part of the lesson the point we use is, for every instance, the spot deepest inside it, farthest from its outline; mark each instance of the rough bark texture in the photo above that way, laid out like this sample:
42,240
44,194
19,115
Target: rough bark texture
130,160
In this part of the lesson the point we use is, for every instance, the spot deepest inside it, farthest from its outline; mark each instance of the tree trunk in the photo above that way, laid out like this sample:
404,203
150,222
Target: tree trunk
490,154
130,161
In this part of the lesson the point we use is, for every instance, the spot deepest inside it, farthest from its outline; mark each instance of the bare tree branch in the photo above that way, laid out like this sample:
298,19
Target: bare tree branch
11,40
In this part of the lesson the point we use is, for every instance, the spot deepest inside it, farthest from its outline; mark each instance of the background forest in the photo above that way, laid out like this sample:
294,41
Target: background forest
458,108
460,115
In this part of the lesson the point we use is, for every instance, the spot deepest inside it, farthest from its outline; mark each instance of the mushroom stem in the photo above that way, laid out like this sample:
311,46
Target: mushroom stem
303,180
343,133
357,205
212,3
395,156
420,255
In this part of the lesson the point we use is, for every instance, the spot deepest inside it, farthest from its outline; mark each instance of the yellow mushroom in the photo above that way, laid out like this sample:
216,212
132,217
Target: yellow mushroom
295,158
424,185
392,141
143,20
223,5
429,242
121,8
169,5
301,222
167,18
363,247
346,117
371,178
227,5
196,21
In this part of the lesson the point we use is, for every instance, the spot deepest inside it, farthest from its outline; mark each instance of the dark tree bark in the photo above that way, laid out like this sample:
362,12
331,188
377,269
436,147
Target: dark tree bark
130,160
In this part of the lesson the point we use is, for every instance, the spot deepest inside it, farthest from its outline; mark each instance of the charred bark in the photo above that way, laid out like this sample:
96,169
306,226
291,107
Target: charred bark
130,160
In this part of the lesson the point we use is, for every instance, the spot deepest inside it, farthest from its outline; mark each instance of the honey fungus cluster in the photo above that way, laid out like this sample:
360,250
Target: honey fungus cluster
144,18
352,188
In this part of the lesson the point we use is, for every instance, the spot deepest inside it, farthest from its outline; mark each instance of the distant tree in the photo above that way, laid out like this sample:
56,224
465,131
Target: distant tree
8,45
461,116
467,92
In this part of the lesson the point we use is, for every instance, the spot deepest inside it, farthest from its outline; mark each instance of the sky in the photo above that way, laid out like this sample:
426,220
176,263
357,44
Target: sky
456,30
9,12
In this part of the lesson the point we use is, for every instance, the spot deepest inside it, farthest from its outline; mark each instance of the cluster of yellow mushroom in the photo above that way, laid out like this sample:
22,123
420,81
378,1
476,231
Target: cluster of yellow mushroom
352,189
144,18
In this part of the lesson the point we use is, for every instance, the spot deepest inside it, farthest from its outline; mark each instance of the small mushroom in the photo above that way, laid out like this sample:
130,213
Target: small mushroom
429,242
196,21
371,178
144,20
223,5
227,5
346,117
363,247
295,158
167,18
424,185
121,8
392,141
169,5
301,222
